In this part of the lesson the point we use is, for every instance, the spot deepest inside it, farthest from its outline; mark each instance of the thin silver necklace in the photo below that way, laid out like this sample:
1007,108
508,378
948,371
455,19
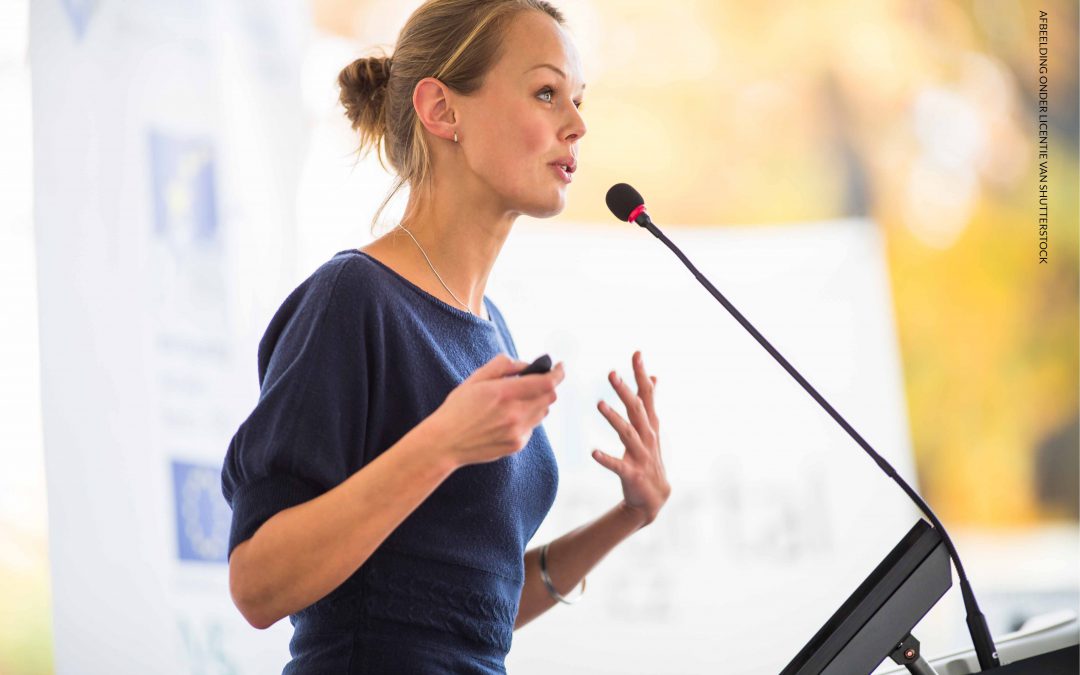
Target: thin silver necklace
467,309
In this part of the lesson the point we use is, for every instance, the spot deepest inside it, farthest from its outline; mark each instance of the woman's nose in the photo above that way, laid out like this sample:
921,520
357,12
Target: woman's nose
577,129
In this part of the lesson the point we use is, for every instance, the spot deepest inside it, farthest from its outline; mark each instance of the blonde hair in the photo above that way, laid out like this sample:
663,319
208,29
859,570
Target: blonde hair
454,41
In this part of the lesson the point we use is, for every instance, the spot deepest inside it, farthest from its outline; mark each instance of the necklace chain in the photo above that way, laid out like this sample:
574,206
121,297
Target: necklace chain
467,309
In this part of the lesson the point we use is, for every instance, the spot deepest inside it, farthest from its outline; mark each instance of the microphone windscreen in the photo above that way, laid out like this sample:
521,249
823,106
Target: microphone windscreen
622,200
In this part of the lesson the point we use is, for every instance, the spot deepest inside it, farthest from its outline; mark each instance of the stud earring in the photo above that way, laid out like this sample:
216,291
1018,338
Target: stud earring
455,137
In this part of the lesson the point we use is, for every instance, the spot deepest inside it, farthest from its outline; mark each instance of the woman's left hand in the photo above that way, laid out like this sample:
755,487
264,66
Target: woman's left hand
641,469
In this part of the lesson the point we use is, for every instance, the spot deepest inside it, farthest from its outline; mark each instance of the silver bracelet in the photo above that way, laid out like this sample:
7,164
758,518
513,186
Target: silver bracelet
547,579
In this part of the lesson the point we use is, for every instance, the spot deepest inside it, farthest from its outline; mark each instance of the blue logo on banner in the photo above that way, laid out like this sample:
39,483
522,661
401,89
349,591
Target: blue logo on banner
203,517
79,12
182,170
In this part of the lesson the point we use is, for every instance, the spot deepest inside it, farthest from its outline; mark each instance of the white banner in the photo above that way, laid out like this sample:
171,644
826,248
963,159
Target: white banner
167,141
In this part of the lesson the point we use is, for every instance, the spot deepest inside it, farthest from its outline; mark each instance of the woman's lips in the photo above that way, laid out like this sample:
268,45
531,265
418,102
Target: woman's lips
566,177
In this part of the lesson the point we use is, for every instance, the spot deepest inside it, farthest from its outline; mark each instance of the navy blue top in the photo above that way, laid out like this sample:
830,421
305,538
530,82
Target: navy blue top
355,357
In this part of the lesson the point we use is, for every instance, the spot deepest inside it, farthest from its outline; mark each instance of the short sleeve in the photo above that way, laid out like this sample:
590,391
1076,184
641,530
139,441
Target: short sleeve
306,433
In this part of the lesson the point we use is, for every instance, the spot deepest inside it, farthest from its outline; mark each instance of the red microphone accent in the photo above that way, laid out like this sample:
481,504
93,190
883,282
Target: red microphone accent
635,213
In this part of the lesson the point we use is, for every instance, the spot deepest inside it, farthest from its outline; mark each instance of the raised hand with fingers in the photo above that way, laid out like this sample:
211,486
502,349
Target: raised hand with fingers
641,468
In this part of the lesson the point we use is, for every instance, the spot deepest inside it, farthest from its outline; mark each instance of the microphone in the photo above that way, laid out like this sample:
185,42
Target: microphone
627,205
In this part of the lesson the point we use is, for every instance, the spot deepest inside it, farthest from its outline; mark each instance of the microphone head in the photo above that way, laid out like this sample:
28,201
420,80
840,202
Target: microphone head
622,200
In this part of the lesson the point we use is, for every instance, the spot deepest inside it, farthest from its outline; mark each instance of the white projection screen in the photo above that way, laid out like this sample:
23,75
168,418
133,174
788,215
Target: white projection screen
776,513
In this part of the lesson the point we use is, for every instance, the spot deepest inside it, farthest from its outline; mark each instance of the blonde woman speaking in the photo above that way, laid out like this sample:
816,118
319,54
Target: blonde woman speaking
394,468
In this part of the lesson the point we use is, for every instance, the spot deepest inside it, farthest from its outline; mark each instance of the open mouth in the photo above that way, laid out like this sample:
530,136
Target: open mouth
562,171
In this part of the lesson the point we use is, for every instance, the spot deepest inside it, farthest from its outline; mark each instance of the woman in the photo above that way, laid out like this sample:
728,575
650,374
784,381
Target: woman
387,482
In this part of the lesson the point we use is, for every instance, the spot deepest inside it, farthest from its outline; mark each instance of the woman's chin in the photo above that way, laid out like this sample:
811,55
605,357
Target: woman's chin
547,213
551,207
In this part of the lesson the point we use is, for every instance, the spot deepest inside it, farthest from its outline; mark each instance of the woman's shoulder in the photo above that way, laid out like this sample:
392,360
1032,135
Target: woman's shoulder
348,281
349,269
333,302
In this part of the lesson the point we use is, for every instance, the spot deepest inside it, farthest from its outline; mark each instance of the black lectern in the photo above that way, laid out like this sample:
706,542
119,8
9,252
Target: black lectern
876,620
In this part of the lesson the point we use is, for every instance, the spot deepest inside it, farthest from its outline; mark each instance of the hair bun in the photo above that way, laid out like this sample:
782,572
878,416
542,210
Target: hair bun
363,86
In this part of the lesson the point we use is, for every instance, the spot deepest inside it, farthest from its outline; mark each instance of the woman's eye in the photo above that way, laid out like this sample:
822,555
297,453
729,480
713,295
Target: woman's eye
550,91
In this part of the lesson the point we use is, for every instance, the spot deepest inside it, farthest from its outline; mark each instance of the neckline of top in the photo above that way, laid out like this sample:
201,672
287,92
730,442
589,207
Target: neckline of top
438,302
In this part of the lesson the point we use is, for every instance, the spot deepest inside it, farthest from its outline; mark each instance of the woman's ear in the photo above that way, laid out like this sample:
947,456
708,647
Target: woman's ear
431,98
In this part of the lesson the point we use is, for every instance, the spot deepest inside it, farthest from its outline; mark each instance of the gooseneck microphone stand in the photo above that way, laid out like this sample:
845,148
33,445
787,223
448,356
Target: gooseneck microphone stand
627,205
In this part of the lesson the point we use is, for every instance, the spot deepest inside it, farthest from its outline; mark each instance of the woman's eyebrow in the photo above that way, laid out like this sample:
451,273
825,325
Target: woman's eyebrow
548,65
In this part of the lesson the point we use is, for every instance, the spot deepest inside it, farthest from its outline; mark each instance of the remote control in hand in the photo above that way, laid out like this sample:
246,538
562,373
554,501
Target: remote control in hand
540,365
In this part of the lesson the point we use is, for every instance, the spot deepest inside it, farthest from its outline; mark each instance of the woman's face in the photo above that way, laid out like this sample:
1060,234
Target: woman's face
525,117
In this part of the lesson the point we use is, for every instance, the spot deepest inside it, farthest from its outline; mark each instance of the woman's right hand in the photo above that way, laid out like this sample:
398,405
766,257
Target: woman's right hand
490,415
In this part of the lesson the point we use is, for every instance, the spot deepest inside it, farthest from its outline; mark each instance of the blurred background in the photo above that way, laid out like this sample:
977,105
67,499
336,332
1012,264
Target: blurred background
919,116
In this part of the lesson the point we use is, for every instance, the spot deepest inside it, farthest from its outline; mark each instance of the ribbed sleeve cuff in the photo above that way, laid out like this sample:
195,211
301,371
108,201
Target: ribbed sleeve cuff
256,502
